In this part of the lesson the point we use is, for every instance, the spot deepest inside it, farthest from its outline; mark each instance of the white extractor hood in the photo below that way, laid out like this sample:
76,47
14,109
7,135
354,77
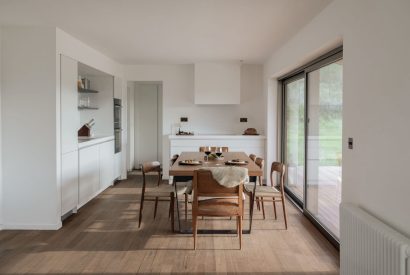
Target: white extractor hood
217,83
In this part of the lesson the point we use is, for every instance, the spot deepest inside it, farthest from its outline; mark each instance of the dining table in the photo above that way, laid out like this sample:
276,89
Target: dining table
186,172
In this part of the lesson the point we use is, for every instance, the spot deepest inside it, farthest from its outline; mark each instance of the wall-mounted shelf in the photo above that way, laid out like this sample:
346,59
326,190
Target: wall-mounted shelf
87,91
87,108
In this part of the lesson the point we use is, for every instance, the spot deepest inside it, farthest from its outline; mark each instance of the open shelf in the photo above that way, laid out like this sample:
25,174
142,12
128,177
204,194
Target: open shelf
87,91
87,108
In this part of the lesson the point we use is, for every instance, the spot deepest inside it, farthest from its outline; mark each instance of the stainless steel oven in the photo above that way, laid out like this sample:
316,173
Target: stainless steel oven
117,124
117,113
117,139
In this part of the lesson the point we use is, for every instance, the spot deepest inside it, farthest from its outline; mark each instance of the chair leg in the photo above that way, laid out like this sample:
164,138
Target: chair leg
284,212
274,209
263,207
156,206
186,206
141,207
258,206
240,232
172,212
194,227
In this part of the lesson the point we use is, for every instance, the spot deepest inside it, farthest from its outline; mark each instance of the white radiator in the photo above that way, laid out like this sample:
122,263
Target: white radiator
370,247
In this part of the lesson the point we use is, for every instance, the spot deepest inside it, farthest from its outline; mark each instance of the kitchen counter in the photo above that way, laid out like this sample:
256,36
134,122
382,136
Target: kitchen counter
89,141
213,137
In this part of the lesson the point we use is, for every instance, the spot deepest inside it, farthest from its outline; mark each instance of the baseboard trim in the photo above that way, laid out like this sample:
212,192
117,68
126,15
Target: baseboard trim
55,226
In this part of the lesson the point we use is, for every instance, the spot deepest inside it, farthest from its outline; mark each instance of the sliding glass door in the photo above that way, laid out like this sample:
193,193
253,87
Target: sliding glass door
324,144
312,140
294,151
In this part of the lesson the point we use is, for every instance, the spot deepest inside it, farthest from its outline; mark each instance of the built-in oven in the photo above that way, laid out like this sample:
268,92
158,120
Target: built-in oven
117,124
117,140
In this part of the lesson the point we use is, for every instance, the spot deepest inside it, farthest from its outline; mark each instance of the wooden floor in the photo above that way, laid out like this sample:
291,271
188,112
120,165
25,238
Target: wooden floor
103,238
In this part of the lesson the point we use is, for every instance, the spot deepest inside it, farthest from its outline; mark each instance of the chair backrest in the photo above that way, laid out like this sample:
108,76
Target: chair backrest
206,186
260,162
147,167
252,157
279,168
213,149
174,159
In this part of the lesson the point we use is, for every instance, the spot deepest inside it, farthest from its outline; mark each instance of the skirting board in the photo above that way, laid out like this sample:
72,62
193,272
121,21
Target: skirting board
31,226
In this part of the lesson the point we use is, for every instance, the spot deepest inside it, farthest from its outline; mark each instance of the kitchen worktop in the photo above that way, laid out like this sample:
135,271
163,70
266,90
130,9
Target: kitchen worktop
89,141
216,136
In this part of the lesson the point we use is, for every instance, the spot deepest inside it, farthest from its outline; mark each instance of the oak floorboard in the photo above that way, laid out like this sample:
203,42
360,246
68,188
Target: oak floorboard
104,238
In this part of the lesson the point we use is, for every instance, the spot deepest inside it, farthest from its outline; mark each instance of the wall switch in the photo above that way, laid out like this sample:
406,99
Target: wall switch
243,119
184,119
350,143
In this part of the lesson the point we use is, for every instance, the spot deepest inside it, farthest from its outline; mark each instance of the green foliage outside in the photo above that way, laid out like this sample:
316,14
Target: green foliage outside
328,109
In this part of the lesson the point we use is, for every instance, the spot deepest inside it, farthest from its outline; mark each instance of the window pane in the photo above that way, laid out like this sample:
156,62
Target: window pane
324,145
295,136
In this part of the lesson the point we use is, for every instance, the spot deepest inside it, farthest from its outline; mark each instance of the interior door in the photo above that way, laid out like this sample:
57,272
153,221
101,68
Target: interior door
146,123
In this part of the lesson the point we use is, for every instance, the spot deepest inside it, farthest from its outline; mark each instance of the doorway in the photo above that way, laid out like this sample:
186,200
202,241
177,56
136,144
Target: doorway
145,122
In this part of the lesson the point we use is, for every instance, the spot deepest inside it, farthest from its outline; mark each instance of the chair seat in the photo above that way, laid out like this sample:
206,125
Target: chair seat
219,207
263,191
164,190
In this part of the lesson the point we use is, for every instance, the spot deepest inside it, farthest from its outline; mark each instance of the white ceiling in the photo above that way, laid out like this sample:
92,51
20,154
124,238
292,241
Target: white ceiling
171,31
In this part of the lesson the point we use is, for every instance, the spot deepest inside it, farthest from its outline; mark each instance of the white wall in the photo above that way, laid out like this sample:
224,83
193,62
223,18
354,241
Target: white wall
29,128
376,98
178,100
78,50
1,174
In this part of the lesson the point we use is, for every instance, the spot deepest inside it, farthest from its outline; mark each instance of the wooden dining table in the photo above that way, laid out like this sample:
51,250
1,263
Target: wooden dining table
186,171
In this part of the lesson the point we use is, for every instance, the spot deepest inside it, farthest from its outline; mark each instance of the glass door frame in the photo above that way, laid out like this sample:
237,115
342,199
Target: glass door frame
299,202
302,72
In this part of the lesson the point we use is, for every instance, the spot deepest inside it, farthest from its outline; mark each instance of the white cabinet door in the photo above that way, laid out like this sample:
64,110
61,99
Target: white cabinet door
117,166
70,117
117,87
69,181
106,164
89,165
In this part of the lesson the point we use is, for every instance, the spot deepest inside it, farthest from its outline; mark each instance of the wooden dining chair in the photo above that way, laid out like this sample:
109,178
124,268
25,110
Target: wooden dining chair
184,181
273,192
160,192
252,157
213,149
260,162
224,202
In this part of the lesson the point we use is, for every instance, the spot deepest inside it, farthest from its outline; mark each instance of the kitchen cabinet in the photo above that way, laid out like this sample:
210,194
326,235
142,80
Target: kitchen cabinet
106,164
89,173
217,83
69,182
70,118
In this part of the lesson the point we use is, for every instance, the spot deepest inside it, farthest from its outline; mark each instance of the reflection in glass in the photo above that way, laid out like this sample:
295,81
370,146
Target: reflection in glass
295,136
324,145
